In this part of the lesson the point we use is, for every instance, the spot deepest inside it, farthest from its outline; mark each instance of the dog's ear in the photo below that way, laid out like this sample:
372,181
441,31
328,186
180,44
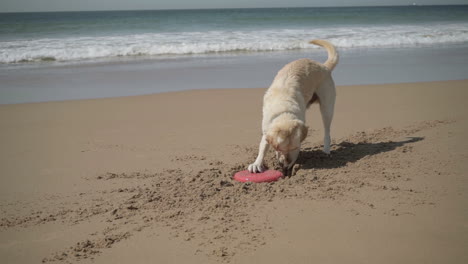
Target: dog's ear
300,130
269,139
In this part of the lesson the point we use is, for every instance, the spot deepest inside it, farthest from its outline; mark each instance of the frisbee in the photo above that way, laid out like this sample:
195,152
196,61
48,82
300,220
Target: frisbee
266,176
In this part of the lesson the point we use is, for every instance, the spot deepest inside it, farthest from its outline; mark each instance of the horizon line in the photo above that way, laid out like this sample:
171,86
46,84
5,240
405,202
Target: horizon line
226,8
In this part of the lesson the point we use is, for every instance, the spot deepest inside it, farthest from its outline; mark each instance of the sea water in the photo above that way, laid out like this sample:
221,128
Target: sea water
72,36
76,55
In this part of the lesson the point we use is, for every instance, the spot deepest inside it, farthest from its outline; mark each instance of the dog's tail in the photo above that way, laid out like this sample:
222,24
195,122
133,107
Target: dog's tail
333,57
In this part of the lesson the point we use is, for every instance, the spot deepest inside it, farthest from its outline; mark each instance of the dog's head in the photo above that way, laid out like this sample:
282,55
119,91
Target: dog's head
286,137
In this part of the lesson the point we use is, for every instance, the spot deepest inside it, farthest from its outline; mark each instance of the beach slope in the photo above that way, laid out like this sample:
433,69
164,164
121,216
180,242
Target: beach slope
148,179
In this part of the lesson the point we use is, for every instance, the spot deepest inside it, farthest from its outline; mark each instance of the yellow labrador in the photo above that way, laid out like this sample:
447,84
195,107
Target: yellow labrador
296,86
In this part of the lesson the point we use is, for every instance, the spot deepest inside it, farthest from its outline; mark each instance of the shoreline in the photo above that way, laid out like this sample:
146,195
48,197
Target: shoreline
123,97
102,80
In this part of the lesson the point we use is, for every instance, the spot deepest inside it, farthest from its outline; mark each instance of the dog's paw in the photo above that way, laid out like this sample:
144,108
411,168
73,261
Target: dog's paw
326,151
295,169
256,168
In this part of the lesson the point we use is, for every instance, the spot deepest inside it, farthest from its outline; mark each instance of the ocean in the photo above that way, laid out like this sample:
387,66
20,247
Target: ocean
75,36
77,55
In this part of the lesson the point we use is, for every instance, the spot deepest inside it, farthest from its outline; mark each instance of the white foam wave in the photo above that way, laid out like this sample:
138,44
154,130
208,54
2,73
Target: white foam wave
153,44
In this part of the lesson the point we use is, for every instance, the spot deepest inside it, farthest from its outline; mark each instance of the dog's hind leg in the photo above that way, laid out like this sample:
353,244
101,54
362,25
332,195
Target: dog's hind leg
327,94
313,100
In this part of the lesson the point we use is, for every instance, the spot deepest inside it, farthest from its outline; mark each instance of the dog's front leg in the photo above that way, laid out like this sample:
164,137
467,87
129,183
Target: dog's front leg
257,166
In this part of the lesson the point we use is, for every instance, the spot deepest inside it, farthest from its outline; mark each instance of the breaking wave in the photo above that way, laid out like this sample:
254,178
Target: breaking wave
186,43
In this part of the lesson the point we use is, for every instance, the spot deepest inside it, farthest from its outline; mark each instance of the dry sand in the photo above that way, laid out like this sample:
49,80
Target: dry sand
147,179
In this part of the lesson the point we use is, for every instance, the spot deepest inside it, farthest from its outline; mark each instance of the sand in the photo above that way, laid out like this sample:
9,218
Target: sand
148,179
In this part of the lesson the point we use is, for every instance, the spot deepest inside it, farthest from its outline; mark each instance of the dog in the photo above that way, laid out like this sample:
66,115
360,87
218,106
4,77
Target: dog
297,85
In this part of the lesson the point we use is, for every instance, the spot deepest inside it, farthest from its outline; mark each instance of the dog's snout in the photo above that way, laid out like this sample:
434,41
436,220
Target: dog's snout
283,160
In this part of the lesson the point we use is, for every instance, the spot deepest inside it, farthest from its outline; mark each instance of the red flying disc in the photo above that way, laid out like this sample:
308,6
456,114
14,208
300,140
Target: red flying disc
266,176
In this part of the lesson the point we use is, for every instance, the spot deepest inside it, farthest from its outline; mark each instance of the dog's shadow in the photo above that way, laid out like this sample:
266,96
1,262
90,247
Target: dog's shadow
347,152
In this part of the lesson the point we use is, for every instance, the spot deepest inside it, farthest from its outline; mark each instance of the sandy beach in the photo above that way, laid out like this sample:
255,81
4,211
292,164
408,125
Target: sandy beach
148,179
